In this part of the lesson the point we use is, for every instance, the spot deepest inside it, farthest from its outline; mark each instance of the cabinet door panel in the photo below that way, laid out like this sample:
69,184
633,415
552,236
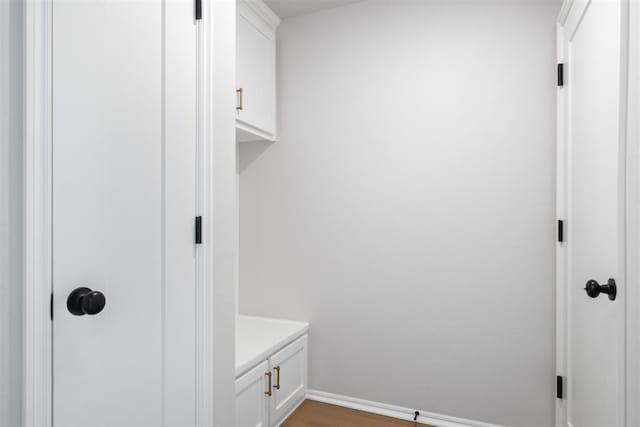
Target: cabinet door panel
292,364
252,409
256,71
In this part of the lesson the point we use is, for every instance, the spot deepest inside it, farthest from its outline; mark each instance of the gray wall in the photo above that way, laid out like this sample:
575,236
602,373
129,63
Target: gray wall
10,213
407,210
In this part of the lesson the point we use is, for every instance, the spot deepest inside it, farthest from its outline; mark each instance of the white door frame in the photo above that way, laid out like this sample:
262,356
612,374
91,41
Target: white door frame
633,213
570,16
216,270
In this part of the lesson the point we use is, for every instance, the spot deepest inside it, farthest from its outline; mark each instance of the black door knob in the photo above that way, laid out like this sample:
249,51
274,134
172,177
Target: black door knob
85,301
594,289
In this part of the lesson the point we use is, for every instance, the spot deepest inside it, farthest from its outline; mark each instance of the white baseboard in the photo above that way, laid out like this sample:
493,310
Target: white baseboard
425,417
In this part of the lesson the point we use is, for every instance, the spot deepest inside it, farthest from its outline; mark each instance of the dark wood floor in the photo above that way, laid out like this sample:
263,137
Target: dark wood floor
316,414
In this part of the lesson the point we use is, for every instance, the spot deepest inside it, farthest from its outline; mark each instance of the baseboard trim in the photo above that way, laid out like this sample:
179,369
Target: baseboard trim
425,417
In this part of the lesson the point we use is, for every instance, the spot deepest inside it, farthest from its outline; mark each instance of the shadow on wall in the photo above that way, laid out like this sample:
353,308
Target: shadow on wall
248,152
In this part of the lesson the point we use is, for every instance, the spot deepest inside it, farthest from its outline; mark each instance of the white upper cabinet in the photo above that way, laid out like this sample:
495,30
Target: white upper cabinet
256,71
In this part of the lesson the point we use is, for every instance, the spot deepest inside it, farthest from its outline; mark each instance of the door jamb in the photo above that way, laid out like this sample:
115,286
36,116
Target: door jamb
37,368
632,48
570,14
561,213
37,404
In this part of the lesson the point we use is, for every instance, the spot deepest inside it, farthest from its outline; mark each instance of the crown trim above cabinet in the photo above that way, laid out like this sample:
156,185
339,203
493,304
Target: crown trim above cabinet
255,71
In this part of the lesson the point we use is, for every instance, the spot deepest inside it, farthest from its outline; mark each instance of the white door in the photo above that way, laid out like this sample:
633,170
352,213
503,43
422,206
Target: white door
124,185
595,238
289,367
252,395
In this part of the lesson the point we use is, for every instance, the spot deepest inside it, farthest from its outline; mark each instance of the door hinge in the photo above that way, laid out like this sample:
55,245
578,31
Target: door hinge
51,306
560,75
198,230
198,6
559,387
560,231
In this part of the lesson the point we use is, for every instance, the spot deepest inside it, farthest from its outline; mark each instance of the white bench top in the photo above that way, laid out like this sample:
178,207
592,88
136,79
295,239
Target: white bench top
257,338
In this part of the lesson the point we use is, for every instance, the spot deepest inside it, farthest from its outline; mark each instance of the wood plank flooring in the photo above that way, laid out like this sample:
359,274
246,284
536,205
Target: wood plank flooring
317,414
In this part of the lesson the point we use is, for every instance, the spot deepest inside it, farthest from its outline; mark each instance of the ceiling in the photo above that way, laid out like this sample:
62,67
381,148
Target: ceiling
290,8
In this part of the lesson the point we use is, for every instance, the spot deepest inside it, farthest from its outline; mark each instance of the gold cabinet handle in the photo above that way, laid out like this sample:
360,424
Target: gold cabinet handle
268,392
240,93
277,369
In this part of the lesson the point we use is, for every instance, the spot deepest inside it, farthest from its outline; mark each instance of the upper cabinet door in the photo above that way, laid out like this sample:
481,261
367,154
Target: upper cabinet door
256,71
289,368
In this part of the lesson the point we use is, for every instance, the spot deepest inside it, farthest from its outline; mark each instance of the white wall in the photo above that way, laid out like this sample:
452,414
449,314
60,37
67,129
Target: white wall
407,210
10,213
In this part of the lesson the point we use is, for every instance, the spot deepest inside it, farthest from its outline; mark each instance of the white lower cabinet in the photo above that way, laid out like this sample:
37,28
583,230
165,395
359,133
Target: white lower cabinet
289,367
266,394
252,406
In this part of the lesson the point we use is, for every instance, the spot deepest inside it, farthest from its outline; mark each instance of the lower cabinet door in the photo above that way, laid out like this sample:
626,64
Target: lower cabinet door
289,368
252,401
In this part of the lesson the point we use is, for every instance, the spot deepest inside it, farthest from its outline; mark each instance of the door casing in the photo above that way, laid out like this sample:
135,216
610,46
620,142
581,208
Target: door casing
570,15
216,271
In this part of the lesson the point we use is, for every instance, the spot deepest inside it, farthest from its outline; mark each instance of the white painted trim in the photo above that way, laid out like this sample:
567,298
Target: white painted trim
261,9
37,391
574,16
630,165
204,295
399,412
561,214
221,222
564,11
37,402
633,217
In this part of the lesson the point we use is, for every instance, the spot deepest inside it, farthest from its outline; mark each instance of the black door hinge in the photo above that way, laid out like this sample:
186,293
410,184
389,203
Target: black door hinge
51,307
198,230
559,387
560,75
198,9
560,231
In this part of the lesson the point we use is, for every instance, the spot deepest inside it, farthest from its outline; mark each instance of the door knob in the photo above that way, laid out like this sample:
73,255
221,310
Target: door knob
594,289
85,301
